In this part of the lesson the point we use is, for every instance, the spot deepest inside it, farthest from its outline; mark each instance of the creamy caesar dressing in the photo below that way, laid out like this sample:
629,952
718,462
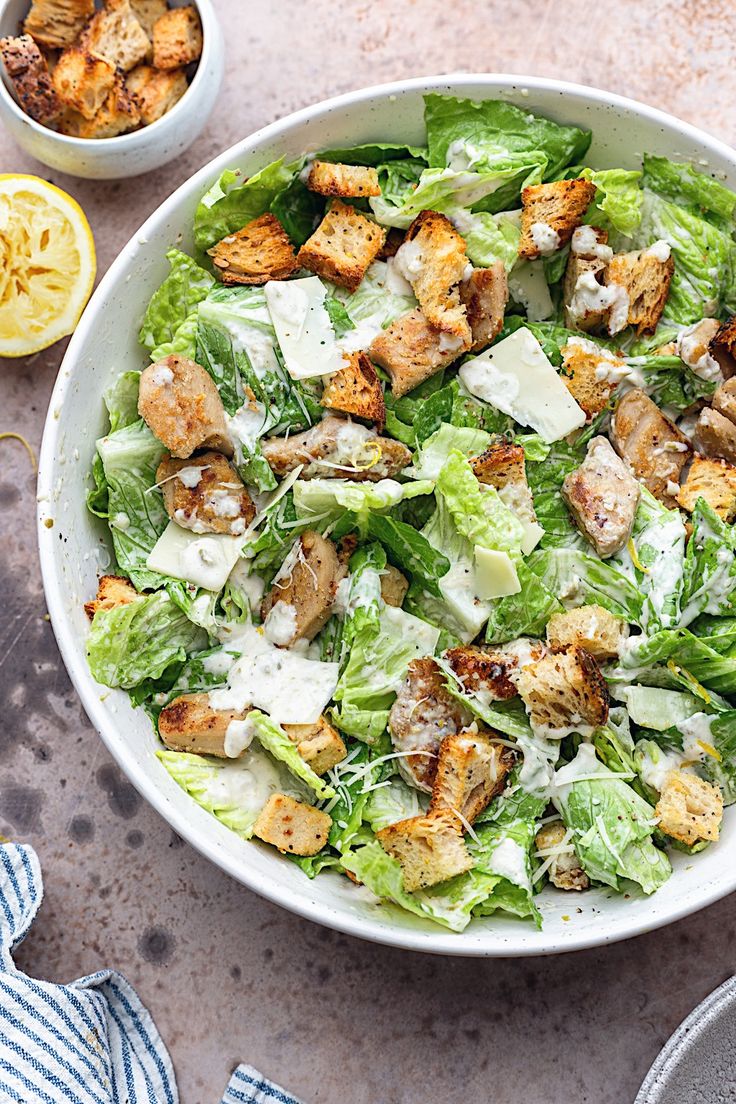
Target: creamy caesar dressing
585,243
239,735
191,475
655,763
545,237
245,427
218,664
509,860
280,623
410,260
692,347
659,250
590,297
356,592
247,783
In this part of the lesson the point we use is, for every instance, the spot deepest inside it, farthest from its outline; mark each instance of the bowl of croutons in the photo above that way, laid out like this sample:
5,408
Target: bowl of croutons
106,90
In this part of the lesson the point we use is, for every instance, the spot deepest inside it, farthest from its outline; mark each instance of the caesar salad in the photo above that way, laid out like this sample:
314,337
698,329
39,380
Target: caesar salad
422,514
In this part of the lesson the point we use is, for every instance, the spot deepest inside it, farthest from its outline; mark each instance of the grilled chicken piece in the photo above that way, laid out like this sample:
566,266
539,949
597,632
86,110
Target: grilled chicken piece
422,715
652,445
485,295
394,586
180,404
715,434
337,449
565,870
300,601
484,671
190,723
205,495
602,496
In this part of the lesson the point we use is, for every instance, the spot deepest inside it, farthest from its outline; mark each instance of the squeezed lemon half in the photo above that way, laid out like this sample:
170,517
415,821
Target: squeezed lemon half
47,264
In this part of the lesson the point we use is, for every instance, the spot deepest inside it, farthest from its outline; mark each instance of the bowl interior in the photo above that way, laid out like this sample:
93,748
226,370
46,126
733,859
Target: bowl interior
74,549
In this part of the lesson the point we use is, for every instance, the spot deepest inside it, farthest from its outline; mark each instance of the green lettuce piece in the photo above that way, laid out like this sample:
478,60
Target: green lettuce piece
373,154
373,307
459,609
612,824
509,717
330,497
362,599
183,343
718,632
691,664
397,180
174,301
658,536
434,450
709,567
714,738
121,400
233,790
410,551
522,614
573,574
298,210
489,238
476,510
618,199
506,833
655,708
273,738
341,321
394,802
232,202
669,382
140,640
129,459
681,183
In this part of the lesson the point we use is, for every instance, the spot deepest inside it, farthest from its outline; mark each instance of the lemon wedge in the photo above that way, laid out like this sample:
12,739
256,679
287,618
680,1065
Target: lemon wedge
47,264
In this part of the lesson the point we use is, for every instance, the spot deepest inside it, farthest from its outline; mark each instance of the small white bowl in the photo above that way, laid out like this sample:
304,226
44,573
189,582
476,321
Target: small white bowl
128,154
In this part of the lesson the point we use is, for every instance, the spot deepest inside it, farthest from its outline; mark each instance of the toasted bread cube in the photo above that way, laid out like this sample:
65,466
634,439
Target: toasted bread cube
713,480
206,496
485,295
500,465
83,81
394,586
588,373
147,12
565,870
550,213
300,602
430,848
115,34
112,590
343,246
330,179
190,723
589,255
293,827
564,692
180,404
155,90
28,72
715,435
723,347
651,444
319,744
356,389
646,280
118,114
471,771
422,715
411,350
689,809
724,400
260,252
58,23
177,38
433,260
602,496
589,627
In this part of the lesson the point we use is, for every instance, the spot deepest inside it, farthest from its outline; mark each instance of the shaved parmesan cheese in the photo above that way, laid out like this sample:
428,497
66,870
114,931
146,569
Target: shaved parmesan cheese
495,574
203,560
303,327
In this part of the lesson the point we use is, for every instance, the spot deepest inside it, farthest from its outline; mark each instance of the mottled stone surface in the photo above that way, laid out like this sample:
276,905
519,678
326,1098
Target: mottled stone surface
226,975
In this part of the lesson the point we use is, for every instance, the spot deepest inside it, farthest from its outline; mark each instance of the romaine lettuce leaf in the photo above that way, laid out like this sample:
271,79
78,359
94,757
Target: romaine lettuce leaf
522,614
477,511
121,400
681,183
618,199
410,551
435,449
173,302
273,738
709,567
232,202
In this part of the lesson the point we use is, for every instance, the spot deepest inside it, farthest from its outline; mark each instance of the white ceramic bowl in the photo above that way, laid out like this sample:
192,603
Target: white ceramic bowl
105,343
142,150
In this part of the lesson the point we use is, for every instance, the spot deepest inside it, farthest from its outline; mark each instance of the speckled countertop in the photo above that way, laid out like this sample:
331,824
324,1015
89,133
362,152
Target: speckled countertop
226,975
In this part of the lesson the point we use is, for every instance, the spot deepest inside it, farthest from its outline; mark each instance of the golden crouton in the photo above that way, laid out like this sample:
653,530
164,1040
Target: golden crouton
115,34
650,443
724,400
422,715
292,826
433,260
118,114
330,179
713,480
602,497
319,744
83,81
356,389
190,723
343,246
260,252
557,207
715,435
29,75
584,373
485,295
155,90
300,602
394,586
723,347
471,771
411,350
564,692
180,404
646,280
500,465
57,23
589,627
585,261
430,848
147,12
486,670
112,590
205,495
689,809
177,38
565,870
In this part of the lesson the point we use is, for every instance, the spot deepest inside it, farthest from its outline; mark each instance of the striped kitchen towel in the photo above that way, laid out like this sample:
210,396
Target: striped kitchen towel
89,1042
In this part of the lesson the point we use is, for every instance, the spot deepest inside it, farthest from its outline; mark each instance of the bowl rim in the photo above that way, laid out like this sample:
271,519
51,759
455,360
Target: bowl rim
210,31
462,944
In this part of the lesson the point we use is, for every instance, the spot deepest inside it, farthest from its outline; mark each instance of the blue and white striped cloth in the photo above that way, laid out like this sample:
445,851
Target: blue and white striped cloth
89,1042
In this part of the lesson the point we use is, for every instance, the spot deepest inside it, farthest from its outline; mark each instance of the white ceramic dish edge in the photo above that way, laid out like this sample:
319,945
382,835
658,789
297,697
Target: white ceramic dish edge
570,924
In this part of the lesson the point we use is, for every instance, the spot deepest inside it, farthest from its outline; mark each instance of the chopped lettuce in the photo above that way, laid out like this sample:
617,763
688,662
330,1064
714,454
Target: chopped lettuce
618,199
232,202
173,304
434,450
273,738
476,509
683,184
